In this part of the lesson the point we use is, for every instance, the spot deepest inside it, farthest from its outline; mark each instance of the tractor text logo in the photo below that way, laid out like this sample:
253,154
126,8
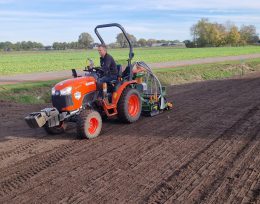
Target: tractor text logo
89,83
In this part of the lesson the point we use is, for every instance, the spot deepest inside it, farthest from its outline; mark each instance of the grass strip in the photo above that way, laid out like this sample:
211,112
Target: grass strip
40,92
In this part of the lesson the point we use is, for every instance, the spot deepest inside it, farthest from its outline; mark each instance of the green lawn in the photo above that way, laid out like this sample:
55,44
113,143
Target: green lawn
28,92
27,62
203,72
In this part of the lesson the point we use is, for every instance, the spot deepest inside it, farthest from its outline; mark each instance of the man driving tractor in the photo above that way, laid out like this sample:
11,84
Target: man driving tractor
76,100
107,64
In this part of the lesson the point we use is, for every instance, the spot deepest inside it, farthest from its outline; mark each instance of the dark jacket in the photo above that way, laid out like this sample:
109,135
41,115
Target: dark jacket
108,65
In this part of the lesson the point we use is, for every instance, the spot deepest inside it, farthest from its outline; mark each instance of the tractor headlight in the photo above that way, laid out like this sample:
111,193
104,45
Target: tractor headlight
77,95
53,91
66,91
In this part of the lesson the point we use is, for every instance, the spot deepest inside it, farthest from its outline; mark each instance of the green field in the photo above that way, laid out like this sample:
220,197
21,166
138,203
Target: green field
27,62
204,72
40,92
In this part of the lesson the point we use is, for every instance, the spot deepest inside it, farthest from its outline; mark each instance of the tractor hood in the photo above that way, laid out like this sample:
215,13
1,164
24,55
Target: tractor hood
68,95
81,83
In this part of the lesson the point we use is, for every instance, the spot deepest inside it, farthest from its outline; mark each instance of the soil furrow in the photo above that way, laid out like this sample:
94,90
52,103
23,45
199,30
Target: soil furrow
160,194
206,150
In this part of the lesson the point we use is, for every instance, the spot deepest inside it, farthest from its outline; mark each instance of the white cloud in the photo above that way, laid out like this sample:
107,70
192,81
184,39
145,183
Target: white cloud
19,14
203,4
155,4
223,5
168,19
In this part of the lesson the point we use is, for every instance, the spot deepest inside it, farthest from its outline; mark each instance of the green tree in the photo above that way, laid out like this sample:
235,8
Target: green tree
200,32
6,45
233,36
121,40
189,43
205,33
85,40
24,45
58,46
150,42
73,45
114,45
142,42
217,34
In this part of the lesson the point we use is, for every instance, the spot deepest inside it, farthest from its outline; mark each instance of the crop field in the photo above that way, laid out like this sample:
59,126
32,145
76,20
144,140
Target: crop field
28,62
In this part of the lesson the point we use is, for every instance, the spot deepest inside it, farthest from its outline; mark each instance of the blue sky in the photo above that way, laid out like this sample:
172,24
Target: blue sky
47,21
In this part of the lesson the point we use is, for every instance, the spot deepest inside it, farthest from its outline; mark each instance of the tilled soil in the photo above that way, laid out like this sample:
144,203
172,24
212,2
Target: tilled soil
205,150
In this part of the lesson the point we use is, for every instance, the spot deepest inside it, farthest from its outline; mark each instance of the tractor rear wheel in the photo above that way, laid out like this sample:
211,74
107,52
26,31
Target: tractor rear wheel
89,124
129,106
57,129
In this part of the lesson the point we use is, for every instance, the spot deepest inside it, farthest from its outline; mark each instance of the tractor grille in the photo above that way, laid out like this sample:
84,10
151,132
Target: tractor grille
60,102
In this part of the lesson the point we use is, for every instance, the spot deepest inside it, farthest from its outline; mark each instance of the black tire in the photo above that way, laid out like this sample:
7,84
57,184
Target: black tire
123,106
56,130
89,124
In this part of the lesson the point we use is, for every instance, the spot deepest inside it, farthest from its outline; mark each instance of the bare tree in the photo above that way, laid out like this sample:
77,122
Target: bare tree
248,33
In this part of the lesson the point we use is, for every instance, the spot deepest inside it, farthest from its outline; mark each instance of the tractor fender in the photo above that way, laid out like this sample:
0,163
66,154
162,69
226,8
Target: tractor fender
89,98
119,91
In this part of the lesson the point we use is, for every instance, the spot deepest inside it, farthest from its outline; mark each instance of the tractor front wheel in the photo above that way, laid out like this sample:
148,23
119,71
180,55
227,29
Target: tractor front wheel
129,106
89,124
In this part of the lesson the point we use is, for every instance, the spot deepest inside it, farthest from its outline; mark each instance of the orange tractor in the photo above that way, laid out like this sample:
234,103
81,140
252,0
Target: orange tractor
136,91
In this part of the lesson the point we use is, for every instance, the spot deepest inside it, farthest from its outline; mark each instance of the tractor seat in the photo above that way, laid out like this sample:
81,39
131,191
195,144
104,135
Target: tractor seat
119,69
126,72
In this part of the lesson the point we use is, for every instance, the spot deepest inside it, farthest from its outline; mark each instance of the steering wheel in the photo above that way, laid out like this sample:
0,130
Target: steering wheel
96,71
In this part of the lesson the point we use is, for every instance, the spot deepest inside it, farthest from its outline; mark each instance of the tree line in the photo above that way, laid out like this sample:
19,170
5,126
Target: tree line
204,34
207,34
24,45
86,41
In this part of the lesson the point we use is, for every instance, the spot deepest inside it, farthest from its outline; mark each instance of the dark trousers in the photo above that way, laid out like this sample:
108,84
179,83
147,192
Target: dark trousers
105,79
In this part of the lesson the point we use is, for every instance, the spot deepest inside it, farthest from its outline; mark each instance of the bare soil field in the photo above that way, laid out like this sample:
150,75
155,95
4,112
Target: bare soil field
205,150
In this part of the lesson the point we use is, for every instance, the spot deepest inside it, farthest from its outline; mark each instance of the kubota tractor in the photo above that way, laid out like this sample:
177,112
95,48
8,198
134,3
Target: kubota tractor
137,90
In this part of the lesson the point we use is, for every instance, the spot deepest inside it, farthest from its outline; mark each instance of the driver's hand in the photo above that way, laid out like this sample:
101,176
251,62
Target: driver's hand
90,63
90,69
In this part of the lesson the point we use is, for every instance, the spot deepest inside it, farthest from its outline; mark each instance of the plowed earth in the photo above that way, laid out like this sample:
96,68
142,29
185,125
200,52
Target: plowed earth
205,150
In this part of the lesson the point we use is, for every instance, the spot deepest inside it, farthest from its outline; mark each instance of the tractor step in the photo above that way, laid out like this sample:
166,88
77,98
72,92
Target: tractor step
110,109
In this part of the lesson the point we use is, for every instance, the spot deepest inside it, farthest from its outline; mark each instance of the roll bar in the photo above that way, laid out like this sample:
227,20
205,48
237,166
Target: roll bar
131,54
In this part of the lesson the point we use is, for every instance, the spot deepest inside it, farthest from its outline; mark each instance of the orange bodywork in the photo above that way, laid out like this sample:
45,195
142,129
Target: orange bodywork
133,105
115,99
86,85
83,85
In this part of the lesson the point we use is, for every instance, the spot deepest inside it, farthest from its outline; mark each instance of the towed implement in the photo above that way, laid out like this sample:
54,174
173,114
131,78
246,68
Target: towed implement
136,91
